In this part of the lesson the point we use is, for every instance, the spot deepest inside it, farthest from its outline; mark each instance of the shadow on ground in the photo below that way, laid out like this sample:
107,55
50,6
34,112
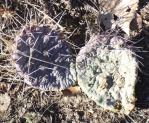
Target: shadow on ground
142,52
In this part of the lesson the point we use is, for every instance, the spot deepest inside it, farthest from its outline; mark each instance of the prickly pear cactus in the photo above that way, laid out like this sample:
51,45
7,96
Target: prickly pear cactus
107,72
43,59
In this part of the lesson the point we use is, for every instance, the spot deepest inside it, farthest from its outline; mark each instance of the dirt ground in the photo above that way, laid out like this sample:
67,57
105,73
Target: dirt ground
24,104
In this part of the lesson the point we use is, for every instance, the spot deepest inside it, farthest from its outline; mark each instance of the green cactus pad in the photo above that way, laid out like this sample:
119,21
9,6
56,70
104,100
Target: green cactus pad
107,73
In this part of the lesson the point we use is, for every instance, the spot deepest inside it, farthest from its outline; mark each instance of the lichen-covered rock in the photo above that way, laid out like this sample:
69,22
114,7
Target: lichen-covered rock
145,14
117,13
107,73
43,59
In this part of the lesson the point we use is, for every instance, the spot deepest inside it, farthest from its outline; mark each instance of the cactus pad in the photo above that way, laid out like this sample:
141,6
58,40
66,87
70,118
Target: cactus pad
43,59
107,73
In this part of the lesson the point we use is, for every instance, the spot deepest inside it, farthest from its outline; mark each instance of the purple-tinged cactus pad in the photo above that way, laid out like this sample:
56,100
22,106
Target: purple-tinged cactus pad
107,73
43,59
